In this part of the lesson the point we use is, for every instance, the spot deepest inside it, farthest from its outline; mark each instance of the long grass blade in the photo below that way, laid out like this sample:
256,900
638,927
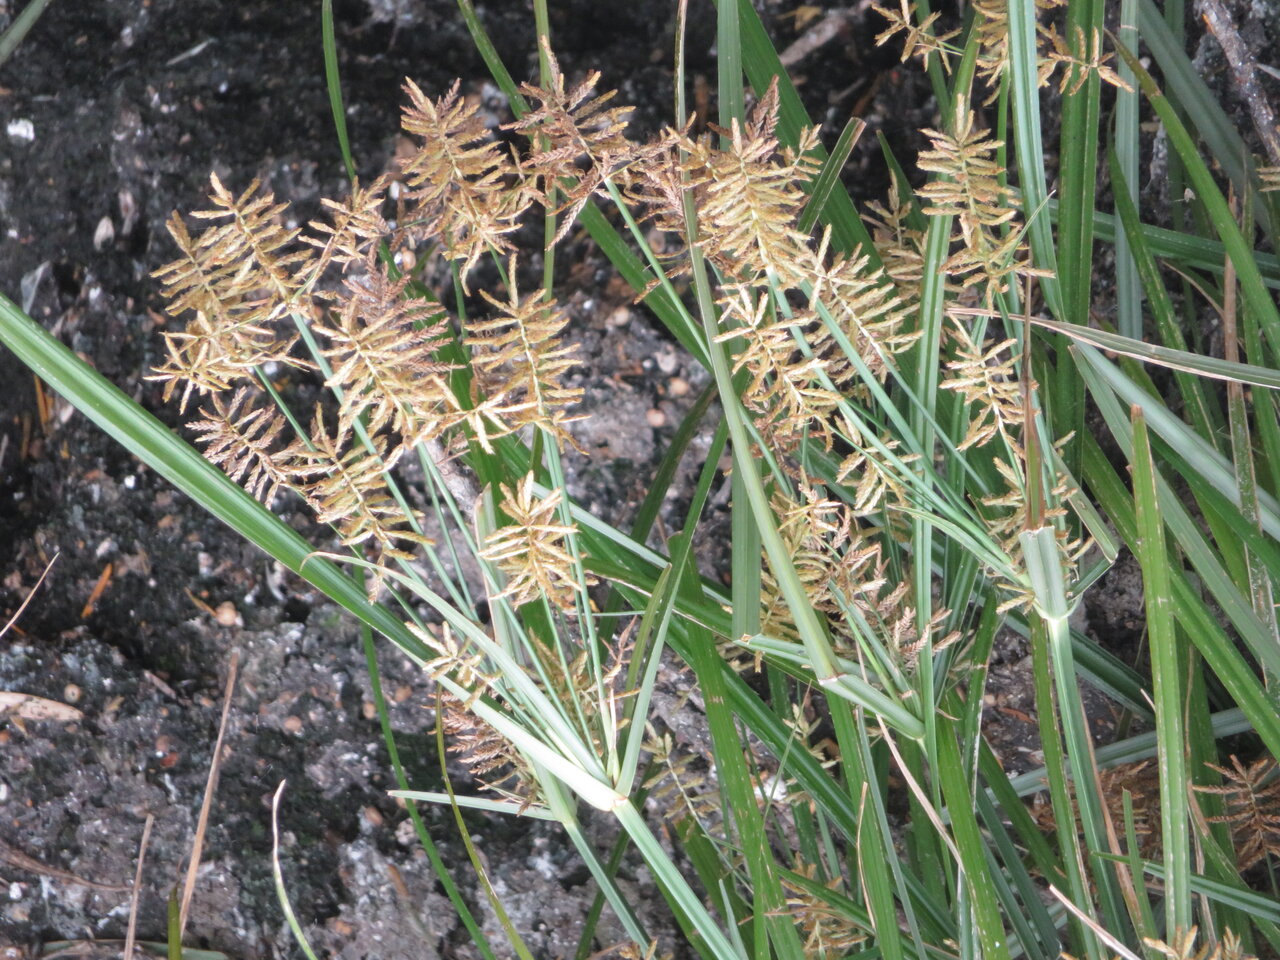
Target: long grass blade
1029,146
1173,359
1128,291
1166,680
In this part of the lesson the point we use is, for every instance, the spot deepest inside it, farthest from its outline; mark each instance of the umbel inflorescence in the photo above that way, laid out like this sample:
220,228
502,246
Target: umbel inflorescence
812,333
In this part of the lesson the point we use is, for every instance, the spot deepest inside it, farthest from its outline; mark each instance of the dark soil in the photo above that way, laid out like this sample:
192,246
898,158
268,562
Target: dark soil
115,113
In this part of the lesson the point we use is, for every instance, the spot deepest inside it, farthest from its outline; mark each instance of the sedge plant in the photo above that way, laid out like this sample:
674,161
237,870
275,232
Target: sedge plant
935,445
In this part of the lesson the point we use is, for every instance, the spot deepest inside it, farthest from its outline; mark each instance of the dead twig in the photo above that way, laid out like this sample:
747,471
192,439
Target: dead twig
202,824
817,36
132,930
1244,71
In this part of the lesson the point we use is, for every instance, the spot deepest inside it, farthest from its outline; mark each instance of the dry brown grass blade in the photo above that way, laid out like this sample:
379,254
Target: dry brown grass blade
23,705
202,824
23,606
132,930
1120,949
15,857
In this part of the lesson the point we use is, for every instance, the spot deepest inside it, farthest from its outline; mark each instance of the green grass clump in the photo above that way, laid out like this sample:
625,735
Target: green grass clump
935,440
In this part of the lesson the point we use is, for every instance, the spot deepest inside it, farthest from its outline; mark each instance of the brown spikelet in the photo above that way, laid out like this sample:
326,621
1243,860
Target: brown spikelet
992,25
970,189
241,439
749,197
844,574
920,40
678,786
530,550
814,529
1182,946
786,391
827,930
521,362
659,185
876,482
1135,784
209,357
453,658
1252,797
463,187
900,246
491,758
866,307
357,226
345,483
1082,59
987,379
577,141
383,357
238,279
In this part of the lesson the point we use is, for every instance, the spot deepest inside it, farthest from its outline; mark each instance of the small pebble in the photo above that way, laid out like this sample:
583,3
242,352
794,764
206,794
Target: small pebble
104,233
619,317
22,130
405,834
678,386
292,724
373,816
128,210
163,745
655,417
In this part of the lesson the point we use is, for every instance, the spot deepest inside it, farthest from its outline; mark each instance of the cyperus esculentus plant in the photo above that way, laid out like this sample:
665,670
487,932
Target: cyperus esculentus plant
817,335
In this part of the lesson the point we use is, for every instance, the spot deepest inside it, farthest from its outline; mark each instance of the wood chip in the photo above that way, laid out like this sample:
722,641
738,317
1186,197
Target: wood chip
227,615
99,589
28,707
